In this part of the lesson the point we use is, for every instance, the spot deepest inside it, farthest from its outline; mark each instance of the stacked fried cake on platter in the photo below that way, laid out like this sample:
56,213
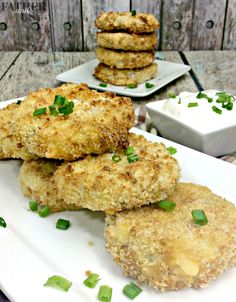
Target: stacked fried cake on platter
126,48
78,153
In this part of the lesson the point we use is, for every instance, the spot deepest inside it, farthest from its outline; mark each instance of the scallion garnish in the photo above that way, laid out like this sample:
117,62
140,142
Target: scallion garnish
132,158
133,12
2,223
62,224
129,150
131,290
58,282
202,95
166,205
179,101
92,280
59,100
192,105
39,111
116,158
102,84
44,211
230,106
216,110
67,109
132,86
172,150
171,95
53,110
18,102
149,85
105,293
33,205
199,217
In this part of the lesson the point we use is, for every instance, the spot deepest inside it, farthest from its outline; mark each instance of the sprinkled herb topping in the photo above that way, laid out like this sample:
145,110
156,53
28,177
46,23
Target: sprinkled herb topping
216,110
92,280
132,158
33,206
149,85
131,290
131,86
58,282
172,150
171,95
18,102
192,105
116,158
40,111
166,205
2,223
105,293
133,12
62,224
102,84
199,217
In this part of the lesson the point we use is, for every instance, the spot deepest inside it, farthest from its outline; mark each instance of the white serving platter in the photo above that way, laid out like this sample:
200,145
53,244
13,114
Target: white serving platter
167,72
32,249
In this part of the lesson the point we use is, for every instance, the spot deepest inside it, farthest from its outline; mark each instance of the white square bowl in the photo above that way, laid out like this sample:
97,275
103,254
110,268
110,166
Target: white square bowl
215,142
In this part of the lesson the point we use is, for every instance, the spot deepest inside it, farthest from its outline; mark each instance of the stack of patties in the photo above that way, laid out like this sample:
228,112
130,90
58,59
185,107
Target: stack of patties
126,48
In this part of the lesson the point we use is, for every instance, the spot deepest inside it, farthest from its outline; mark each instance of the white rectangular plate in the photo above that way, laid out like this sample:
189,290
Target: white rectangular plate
32,249
167,72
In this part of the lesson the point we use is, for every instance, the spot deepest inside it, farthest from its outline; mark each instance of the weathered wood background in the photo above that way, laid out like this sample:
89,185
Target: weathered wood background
68,25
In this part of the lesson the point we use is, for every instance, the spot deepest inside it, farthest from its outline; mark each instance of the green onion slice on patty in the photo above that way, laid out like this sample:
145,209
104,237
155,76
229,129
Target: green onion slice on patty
129,150
132,158
199,217
39,111
166,205
116,158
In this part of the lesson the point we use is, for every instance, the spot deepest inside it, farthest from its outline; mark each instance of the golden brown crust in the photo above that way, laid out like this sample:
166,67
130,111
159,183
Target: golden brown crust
99,122
125,59
10,145
125,77
166,249
140,23
36,181
126,41
99,184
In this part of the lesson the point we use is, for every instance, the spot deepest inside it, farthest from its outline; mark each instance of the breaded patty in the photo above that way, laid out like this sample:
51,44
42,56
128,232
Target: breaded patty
140,23
36,183
166,249
126,41
10,145
99,122
125,77
125,59
100,184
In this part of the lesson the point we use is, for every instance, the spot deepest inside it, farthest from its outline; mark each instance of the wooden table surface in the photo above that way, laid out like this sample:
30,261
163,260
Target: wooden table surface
22,72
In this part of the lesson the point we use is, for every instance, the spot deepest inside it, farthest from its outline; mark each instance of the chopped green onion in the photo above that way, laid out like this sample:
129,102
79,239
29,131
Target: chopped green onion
62,224
58,282
44,211
53,110
132,158
39,111
116,158
201,95
102,84
59,100
33,206
172,150
166,205
171,95
199,217
129,151
230,106
105,293
2,222
131,290
179,101
18,102
132,86
192,105
133,12
216,110
92,280
210,100
149,85
68,109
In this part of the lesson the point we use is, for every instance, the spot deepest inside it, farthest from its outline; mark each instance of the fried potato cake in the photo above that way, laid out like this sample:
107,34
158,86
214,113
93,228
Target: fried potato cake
100,184
36,181
10,145
125,77
125,59
167,250
99,122
138,24
127,41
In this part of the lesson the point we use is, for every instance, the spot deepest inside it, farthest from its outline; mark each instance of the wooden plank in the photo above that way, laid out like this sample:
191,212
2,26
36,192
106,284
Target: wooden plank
6,60
37,70
67,25
176,25
214,69
230,26
91,10
150,7
35,28
9,34
208,24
